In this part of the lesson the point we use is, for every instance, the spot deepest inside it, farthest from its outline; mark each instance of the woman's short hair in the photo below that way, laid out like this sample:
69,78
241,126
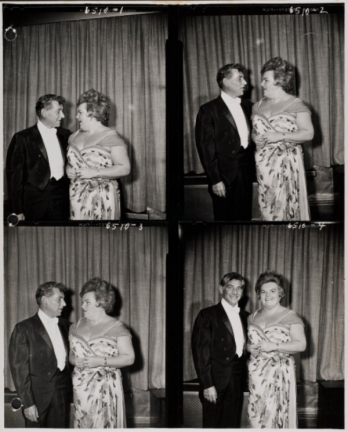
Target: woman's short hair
46,102
283,72
226,71
270,276
46,288
97,105
231,276
103,291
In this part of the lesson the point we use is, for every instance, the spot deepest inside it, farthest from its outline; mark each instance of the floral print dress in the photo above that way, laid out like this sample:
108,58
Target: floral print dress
279,167
98,392
96,198
272,380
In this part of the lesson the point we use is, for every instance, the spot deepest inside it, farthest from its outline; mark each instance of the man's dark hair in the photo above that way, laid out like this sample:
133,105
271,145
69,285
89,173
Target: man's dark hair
46,102
46,288
230,276
226,71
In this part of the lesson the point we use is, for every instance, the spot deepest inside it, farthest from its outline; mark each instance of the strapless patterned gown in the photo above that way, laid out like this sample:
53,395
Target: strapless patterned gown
280,171
272,380
98,392
97,198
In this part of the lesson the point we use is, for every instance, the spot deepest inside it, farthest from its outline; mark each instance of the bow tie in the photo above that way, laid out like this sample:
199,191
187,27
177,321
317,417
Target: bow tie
53,320
236,100
235,309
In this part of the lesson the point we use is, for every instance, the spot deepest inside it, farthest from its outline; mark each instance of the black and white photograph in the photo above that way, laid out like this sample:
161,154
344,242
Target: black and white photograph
91,81
173,214
263,112
263,327
84,343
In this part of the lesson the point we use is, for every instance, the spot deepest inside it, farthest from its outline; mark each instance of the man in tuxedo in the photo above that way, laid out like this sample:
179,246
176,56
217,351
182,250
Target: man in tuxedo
224,146
38,188
38,357
219,352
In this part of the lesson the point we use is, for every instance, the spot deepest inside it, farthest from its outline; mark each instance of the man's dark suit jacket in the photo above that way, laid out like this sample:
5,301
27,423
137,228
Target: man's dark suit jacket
218,140
32,359
213,344
27,164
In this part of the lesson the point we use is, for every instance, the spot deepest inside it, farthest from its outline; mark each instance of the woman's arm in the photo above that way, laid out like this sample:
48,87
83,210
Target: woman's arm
253,349
298,340
296,345
121,167
305,131
125,356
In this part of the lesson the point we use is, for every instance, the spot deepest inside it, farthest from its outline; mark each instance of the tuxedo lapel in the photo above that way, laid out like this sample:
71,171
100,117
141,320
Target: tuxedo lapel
64,334
223,109
40,329
246,114
62,147
224,318
37,139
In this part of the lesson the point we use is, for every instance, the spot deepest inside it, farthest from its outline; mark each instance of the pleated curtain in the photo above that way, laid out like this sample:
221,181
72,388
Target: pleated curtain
314,44
123,57
133,261
312,263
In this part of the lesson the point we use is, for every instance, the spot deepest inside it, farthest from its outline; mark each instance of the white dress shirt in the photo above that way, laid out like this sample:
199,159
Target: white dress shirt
54,152
234,318
237,112
51,326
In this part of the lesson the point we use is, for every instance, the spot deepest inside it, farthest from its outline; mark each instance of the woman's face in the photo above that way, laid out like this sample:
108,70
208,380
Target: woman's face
269,295
83,117
268,84
89,305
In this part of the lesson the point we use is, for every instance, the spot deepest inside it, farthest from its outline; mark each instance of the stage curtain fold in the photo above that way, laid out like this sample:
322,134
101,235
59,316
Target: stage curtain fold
124,58
312,263
313,43
133,261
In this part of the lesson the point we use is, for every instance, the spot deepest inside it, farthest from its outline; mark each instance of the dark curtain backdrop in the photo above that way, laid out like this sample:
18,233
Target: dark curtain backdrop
133,261
312,262
123,57
313,43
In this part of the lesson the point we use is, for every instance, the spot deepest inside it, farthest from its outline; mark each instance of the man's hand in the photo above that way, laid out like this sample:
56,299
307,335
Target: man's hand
210,394
21,217
32,414
219,189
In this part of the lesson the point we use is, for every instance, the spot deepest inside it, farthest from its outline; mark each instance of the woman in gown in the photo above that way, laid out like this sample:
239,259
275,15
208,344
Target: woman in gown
280,123
275,333
97,157
99,346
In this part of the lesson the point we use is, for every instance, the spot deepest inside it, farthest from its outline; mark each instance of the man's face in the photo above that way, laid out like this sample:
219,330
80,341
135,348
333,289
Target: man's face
235,84
232,291
54,304
52,116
